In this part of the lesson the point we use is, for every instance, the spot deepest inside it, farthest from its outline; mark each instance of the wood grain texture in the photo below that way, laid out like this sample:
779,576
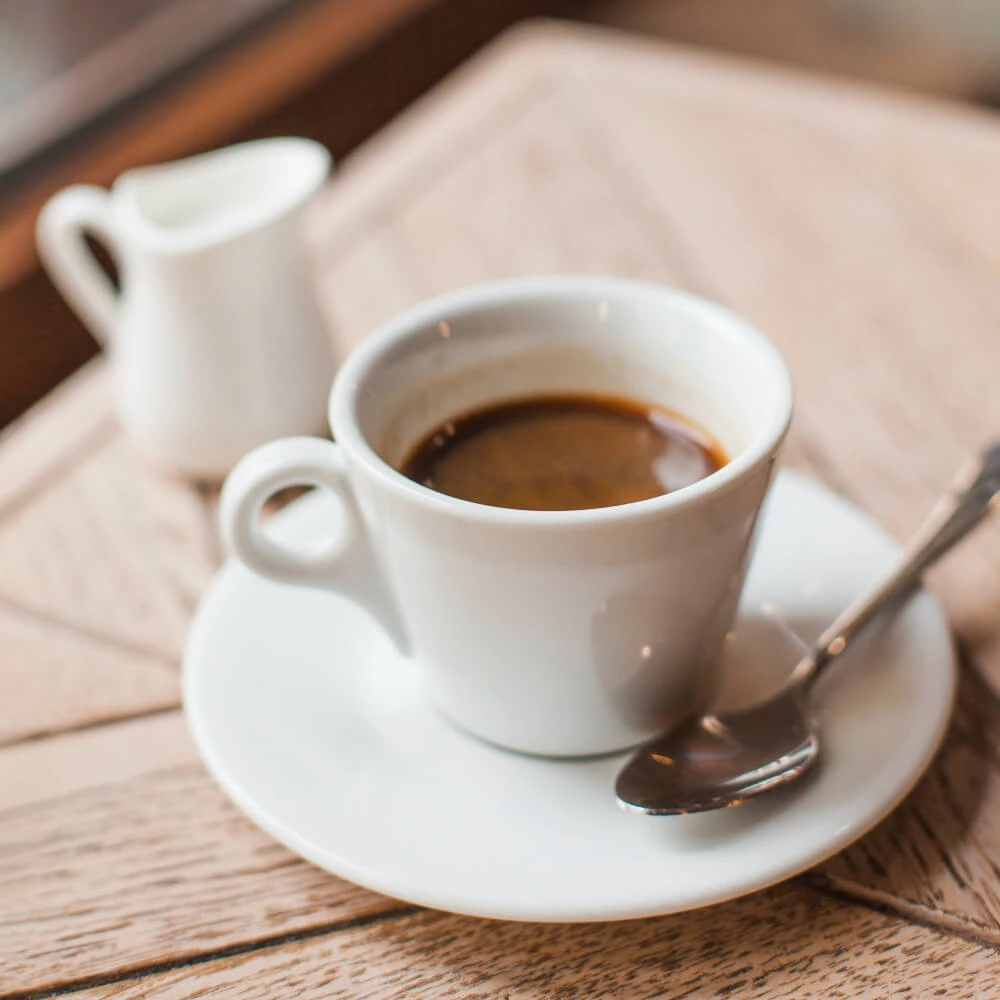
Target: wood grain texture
113,548
56,434
937,857
786,943
74,762
102,560
931,860
152,863
834,217
53,678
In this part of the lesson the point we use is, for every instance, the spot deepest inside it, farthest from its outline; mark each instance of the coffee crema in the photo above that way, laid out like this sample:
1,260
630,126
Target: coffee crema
563,452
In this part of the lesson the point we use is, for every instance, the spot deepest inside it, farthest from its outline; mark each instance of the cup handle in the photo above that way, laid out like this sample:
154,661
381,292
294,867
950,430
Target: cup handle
74,270
346,563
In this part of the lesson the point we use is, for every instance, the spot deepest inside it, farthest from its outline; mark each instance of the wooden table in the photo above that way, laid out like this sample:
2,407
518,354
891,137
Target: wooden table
857,228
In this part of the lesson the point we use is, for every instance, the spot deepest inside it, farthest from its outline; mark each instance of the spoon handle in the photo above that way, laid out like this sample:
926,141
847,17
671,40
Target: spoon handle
953,517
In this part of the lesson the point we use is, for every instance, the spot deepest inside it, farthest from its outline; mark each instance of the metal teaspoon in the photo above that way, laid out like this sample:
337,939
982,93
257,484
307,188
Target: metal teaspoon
717,761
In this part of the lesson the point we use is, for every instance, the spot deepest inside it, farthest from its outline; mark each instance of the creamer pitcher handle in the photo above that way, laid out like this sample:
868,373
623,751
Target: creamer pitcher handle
74,270
345,562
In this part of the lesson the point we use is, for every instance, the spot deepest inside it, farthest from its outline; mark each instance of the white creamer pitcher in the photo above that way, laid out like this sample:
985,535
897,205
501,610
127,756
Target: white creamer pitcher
216,341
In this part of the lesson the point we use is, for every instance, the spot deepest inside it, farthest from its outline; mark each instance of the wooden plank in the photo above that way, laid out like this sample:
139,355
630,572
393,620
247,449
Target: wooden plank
102,559
113,548
55,678
72,763
490,136
786,943
143,861
538,159
467,108
363,288
62,430
936,858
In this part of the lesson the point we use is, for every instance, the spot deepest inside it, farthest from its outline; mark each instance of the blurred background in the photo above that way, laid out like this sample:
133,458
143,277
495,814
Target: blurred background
88,90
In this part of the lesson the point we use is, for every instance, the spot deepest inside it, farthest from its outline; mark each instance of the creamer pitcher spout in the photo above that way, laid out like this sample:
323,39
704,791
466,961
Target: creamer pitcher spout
219,196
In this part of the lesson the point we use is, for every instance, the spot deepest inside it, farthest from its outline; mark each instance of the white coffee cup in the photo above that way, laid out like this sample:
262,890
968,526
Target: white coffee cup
561,633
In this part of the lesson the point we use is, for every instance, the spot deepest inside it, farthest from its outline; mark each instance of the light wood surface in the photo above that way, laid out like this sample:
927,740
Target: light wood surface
856,228
751,948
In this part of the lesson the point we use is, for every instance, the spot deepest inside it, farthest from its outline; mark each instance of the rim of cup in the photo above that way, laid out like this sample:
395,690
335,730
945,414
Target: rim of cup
352,374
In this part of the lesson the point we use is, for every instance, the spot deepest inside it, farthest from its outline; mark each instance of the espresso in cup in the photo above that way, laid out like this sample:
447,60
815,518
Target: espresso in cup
563,452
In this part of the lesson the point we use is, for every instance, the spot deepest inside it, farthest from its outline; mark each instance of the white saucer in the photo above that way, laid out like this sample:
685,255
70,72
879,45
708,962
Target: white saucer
320,734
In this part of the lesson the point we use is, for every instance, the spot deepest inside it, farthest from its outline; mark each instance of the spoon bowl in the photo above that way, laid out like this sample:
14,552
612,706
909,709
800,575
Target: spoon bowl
718,761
